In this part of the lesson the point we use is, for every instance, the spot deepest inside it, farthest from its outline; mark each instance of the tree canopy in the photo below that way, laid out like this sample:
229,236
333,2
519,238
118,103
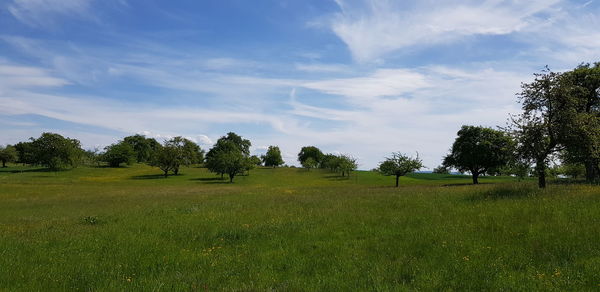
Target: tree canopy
55,151
118,153
273,157
479,150
8,154
310,152
230,155
400,165
143,147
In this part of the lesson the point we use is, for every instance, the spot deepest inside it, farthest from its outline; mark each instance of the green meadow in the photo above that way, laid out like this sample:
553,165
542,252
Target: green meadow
289,229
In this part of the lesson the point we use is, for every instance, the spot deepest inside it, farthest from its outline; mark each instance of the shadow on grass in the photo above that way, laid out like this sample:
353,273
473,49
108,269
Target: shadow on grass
211,180
149,176
466,184
336,177
506,191
9,170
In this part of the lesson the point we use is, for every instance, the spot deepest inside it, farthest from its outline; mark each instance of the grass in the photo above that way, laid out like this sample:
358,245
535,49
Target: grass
128,229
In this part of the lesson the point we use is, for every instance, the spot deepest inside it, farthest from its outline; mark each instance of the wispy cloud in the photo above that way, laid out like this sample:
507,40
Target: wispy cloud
46,12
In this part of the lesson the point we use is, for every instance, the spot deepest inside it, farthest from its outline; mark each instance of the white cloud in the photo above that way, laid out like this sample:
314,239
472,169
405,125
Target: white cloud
374,28
45,12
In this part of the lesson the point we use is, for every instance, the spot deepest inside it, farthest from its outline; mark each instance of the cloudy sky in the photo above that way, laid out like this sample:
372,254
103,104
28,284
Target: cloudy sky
350,76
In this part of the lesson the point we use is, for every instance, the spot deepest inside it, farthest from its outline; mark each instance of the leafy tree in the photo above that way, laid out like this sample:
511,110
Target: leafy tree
309,163
441,170
118,153
536,131
25,152
8,154
55,151
273,157
479,150
573,170
330,162
577,100
230,155
310,152
143,147
400,165
188,153
346,164
165,158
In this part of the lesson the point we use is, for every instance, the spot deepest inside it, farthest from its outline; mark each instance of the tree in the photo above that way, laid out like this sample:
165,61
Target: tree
230,155
118,153
400,165
310,152
346,164
536,131
8,154
330,162
55,151
309,163
25,152
273,157
187,153
165,158
441,170
143,147
479,150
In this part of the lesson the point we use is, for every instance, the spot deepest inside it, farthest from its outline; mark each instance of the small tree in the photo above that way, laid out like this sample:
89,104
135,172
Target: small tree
479,150
346,164
309,163
143,147
310,152
8,154
25,152
230,155
273,157
441,170
165,158
118,153
400,165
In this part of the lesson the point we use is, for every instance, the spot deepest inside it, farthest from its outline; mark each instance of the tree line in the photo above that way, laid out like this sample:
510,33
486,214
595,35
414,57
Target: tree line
560,120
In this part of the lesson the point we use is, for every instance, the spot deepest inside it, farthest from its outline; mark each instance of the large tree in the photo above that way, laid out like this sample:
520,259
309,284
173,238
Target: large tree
8,154
400,165
55,151
118,153
273,157
230,155
479,150
26,152
175,153
143,147
311,152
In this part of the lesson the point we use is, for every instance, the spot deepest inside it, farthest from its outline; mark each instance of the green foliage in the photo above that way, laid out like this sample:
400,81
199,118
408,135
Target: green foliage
165,158
273,157
479,150
55,151
175,153
144,147
309,163
400,165
342,163
230,155
573,170
25,152
8,154
255,160
310,152
441,170
118,153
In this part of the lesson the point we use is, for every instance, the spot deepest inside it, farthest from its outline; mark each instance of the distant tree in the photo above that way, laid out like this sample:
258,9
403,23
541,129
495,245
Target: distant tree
55,151
92,157
310,152
165,158
8,154
230,155
479,150
273,157
255,160
188,153
330,162
143,147
346,164
118,153
441,170
400,165
573,170
309,163
25,152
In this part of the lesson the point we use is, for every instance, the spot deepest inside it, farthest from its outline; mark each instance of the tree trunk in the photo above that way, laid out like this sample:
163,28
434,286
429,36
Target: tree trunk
540,168
176,170
475,178
166,173
397,179
3,163
591,170
231,175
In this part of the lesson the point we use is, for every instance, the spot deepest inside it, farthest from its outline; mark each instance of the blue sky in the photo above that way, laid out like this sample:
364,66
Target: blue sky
350,76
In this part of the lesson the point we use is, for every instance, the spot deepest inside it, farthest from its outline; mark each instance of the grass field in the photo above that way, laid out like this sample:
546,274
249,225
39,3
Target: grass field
128,229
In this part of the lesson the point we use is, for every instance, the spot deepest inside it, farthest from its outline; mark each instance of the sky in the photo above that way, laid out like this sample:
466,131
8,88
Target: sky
357,77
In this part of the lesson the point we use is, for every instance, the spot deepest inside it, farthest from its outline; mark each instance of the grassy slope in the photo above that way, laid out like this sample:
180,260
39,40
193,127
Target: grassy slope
289,229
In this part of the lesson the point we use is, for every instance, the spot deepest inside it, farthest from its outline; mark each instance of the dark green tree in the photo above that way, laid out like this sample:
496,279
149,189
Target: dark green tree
310,152
143,147
273,157
400,165
479,150
230,155
25,152
118,153
8,154
165,158
55,151
346,164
